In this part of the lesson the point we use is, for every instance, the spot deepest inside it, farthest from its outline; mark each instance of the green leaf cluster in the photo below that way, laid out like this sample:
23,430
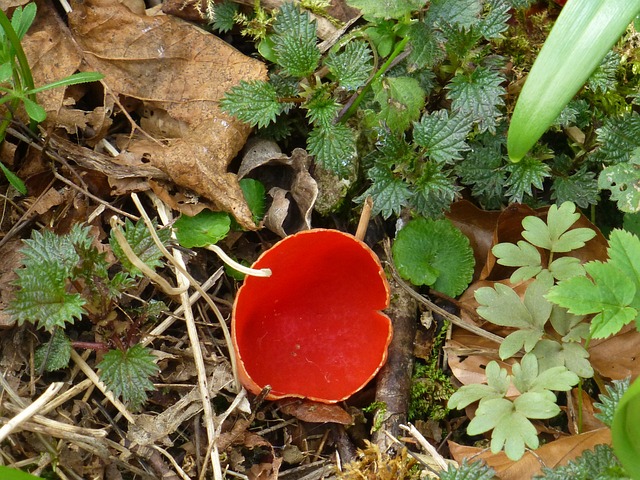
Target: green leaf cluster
477,470
434,253
609,400
612,290
600,463
510,420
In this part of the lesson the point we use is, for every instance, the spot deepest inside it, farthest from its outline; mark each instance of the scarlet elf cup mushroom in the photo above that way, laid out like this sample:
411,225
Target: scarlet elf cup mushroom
313,329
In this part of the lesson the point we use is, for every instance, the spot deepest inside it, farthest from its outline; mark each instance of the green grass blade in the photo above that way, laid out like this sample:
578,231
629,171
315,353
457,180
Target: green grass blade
582,35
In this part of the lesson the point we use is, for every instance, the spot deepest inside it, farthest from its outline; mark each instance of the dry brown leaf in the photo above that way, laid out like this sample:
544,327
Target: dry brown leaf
617,357
11,260
553,454
315,412
173,67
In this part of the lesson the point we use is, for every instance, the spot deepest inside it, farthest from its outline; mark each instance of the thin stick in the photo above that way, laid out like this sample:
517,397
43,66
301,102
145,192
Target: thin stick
424,443
365,216
91,375
30,411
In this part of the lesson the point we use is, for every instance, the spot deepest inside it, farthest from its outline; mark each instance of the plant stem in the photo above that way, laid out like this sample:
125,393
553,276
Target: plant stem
385,66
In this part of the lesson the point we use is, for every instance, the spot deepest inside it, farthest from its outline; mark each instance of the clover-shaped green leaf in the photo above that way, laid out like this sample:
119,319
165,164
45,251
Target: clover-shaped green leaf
554,235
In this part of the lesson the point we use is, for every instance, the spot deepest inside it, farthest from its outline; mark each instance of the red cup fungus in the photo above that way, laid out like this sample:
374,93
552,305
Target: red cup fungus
314,328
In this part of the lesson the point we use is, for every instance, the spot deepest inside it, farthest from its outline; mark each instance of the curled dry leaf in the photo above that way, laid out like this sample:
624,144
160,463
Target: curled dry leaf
315,412
181,72
287,180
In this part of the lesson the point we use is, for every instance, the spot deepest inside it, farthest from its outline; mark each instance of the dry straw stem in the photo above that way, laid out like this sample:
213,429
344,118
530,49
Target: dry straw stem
30,411
184,279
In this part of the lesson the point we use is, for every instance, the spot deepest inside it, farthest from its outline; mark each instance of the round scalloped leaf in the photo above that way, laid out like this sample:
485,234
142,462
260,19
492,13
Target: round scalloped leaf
434,253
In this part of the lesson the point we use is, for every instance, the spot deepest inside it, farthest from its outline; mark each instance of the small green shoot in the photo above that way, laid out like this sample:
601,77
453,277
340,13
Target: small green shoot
434,253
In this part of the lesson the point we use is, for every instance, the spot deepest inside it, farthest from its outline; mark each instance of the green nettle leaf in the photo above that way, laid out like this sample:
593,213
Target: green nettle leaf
334,146
522,176
254,193
43,298
580,188
434,191
463,13
376,9
442,137
434,253
294,41
127,374
603,78
623,180
601,463
401,99
322,109
224,16
426,49
55,354
351,66
478,94
142,244
48,248
468,471
609,400
254,102
495,23
388,192
619,137
205,228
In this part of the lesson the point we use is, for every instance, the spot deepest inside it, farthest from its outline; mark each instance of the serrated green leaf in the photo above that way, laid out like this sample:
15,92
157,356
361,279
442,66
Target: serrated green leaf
609,399
224,16
434,191
463,13
401,99
468,471
619,137
322,109
294,41
127,374
609,297
388,192
495,23
254,102
43,298
351,66
384,9
603,78
426,48
478,95
434,253
443,137
205,228
522,176
580,188
624,254
48,248
623,180
142,244
601,464
334,146
55,354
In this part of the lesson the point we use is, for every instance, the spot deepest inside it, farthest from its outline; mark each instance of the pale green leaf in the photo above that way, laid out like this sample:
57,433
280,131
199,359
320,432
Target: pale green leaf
383,9
468,394
566,267
502,306
489,414
623,180
497,378
536,405
401,100
512,433
523,255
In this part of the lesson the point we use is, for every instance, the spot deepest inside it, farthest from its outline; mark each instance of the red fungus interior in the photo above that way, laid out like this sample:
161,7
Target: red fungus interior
314,328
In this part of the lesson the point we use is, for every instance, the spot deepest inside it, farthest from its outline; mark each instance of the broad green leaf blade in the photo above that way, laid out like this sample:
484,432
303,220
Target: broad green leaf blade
205,228
14,180
581,37
254,194
624,431
489,414
434,253
255,102
382,9
536,405
443,136
7,473
294,41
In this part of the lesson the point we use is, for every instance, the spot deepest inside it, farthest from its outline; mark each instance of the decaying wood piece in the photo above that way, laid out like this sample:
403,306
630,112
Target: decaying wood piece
394,380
